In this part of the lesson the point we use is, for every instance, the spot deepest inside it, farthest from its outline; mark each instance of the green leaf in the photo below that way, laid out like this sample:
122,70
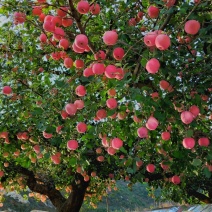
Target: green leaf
206,172
72,161
196,162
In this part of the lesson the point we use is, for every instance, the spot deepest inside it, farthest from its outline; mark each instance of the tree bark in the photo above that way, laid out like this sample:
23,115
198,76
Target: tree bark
76,198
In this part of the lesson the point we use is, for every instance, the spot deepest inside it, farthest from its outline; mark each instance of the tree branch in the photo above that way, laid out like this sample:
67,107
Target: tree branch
54,195
76,16
201,197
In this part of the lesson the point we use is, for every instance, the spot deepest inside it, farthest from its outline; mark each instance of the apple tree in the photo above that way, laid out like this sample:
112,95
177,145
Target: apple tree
97,91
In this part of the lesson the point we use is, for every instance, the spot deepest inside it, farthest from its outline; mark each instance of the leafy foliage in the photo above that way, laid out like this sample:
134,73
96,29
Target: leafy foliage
35,124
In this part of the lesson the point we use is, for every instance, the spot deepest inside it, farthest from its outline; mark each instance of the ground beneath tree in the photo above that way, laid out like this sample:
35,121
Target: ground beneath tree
123,200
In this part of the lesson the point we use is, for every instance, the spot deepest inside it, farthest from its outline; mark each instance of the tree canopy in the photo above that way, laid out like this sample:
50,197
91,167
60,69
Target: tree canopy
94,92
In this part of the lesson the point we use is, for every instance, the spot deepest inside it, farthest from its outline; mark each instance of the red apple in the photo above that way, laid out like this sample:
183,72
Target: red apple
81,127
117,143
162,42
72,145
188,143
80,90
110,38
152,123
186,117
142,132
192,27
150,168
111,103
83,7
153,66
153,12
118,53
203,141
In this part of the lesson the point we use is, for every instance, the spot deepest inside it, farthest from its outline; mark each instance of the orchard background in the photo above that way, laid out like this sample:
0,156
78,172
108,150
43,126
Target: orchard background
93,92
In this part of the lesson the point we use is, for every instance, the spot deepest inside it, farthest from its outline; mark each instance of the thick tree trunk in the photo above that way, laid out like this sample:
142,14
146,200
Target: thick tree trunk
75,200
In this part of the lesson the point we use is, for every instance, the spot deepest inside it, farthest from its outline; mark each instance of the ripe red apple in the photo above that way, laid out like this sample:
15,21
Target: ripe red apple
42,17
194,110
111,151
150,168
86,178
36,148
79,64
121,115
105,142
64,114
81,127
139,163
95,9
4,134
117,143
64,43
68,62
19,18
149,38
37,10
72,145
45,135
58,129
43,38
165,136
81,41
55,159
98,68
88,72
192,27
66,22
101,114
163,166
57,20
111,103
80,90
79,104
188,143
71,109
99,150
100,55
203,141
162,42
186,117
164,84
77,49
110,38
118,53
62,12
153,12
169,3
175,179
49,26
153,66
110,71
59,33
100,158
152,123
132,22
119,74
111,92
83,7
1,173
142,132
7,90
93,174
